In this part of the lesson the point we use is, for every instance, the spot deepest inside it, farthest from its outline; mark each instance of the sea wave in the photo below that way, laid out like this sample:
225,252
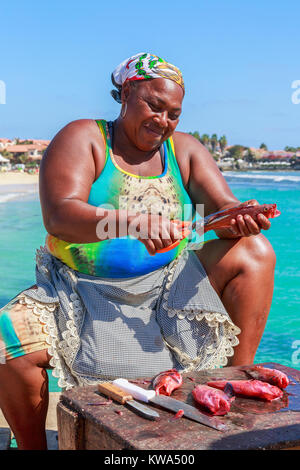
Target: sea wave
261,178
16,195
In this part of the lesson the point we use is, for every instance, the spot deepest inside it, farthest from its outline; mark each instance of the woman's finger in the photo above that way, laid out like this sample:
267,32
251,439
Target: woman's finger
264,222
176,230
166,236
251,225
234,228
242,226
150,247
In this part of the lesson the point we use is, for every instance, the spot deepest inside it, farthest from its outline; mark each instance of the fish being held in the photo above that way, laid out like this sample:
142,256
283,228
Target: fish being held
218,402
222,219
272,376
250,388
165,382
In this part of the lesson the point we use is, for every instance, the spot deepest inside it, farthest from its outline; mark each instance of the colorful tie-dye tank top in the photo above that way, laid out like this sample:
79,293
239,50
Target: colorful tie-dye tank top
127,256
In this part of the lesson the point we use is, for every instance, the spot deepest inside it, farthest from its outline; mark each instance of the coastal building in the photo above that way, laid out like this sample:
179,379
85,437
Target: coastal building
33,151
4,143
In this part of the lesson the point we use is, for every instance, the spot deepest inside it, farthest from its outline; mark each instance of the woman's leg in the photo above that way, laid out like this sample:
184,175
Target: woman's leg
24,398
23,376
242,273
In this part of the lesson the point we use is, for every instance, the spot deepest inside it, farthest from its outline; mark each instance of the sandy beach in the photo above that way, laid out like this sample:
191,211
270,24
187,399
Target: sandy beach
16,178
17,185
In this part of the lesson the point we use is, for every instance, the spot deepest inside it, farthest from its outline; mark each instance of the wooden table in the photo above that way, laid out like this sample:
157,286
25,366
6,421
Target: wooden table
253,424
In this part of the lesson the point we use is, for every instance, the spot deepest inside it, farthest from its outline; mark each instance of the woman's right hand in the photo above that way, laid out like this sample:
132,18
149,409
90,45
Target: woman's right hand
154,231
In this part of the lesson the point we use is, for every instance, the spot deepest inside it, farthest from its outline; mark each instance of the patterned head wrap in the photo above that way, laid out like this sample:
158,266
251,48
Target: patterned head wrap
143,66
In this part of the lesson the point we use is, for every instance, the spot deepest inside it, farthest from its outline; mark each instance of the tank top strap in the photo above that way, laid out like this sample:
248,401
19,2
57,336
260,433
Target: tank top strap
102,124
173,165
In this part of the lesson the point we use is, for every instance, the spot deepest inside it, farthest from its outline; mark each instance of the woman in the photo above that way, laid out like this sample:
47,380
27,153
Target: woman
105,303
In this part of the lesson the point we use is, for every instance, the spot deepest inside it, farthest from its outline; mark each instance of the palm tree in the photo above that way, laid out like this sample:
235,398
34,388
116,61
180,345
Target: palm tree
223,143
205,140
263,146
195,134
214,142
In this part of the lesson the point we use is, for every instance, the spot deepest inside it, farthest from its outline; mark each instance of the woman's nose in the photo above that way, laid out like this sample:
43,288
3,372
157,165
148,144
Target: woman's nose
162,119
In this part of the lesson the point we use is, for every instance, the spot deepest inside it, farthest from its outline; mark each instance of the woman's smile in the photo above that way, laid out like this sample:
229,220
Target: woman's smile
154,132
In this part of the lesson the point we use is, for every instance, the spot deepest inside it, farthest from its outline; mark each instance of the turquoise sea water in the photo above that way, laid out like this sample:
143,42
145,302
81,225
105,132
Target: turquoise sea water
22,231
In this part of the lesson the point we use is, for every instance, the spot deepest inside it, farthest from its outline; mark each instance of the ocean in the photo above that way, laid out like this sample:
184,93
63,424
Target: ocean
22,231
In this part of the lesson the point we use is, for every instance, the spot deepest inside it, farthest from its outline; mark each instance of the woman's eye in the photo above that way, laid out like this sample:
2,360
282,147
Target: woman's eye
154,108
157,109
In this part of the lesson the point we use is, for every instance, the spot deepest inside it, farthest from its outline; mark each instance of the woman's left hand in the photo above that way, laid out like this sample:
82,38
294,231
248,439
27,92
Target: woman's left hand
245,226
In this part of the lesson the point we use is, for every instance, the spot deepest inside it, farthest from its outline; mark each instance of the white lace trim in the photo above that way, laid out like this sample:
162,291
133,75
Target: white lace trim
62,352
218,356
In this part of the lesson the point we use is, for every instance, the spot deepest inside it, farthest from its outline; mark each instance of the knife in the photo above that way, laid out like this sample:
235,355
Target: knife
170,403
118,394
197,225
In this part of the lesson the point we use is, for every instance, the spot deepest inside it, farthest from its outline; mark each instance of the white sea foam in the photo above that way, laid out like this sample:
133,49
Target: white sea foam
15,195
266,177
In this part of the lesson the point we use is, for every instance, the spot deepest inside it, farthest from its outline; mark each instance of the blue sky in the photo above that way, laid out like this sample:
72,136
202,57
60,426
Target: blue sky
238,59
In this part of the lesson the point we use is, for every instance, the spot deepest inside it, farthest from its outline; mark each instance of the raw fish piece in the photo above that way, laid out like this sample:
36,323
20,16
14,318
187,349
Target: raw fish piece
165,382
272,376
218,402
250,388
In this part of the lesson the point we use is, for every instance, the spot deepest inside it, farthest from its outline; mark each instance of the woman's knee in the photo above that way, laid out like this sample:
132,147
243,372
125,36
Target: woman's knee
258,251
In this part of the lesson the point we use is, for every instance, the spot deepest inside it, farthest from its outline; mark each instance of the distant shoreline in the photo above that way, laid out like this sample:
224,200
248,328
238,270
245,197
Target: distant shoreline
17,178
249,170
19,181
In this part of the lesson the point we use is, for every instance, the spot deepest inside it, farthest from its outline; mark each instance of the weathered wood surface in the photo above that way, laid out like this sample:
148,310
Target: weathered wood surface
253,424
71,422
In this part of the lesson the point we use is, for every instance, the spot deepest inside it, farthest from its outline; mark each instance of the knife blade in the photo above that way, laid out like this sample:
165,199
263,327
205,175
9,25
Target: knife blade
169,403
119,395
198,226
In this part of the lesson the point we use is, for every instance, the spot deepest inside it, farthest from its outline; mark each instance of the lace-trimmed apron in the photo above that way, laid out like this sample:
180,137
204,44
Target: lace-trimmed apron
99,329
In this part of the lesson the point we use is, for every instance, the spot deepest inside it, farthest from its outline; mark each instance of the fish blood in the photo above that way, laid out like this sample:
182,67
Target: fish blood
179,414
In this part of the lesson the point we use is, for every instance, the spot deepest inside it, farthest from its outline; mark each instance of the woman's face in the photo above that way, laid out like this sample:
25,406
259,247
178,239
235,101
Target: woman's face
153,110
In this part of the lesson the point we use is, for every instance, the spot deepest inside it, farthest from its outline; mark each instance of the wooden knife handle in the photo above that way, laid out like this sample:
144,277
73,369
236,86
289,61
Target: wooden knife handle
114,392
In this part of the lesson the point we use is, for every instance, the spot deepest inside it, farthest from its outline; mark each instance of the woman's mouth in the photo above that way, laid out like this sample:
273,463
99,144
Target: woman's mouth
154,132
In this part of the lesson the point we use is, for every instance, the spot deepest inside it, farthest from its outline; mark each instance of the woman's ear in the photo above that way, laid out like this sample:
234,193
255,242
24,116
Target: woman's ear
125,92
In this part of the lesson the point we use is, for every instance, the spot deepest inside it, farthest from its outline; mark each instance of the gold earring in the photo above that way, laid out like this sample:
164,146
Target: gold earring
123,110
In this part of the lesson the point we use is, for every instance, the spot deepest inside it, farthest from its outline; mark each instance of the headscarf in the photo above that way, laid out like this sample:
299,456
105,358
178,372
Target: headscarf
143,66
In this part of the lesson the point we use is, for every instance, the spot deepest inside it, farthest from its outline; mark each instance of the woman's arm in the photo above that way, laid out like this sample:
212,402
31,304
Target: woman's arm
206,185
70,165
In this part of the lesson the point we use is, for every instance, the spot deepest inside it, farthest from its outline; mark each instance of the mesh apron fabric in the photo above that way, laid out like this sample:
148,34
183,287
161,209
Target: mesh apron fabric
101,328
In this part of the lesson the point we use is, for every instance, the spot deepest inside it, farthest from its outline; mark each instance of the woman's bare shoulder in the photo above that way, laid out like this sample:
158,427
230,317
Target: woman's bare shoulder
184,140
72,161
78,143
76,130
